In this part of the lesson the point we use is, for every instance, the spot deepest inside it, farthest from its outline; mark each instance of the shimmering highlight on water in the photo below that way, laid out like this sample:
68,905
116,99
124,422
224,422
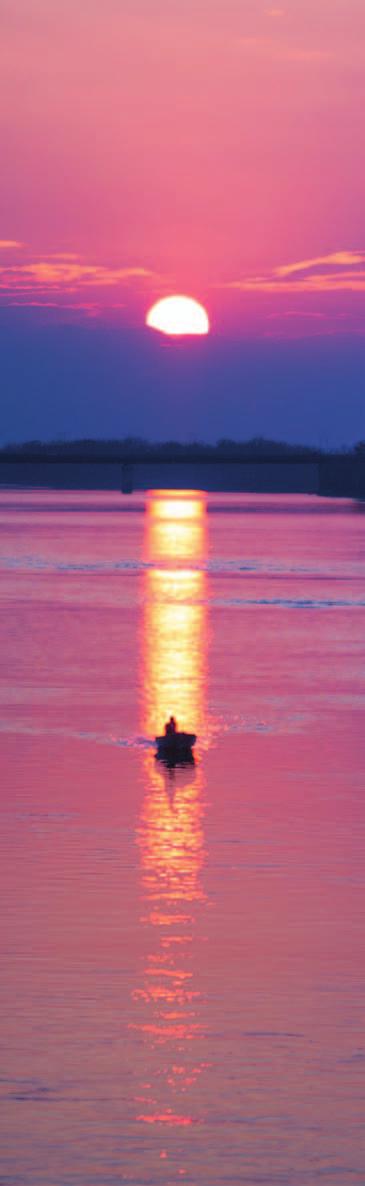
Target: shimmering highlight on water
182,951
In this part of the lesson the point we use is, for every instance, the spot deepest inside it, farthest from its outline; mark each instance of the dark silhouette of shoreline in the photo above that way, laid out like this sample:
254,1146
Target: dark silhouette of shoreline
133,463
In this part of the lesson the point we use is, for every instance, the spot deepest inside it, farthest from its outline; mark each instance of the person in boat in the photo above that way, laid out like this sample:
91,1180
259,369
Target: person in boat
170,727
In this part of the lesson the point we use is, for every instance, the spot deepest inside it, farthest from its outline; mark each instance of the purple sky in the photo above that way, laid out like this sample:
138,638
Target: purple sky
209,149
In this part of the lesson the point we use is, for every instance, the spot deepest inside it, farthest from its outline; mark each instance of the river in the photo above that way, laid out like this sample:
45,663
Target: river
183,964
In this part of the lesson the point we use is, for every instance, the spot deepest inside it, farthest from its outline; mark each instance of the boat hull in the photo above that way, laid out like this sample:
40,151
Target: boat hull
176,748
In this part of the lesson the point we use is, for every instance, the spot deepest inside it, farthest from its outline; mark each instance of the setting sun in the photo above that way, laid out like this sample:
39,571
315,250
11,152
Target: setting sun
178,315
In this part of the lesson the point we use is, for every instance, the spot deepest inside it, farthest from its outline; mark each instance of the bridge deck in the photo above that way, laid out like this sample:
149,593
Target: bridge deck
160,458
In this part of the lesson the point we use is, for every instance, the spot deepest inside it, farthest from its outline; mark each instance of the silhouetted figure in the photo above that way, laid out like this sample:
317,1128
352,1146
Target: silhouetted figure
174,748
170,727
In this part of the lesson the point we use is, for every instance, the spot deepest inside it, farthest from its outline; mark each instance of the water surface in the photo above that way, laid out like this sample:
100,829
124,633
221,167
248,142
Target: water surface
183,970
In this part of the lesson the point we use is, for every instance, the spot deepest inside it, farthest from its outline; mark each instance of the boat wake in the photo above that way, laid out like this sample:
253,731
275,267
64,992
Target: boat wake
20,727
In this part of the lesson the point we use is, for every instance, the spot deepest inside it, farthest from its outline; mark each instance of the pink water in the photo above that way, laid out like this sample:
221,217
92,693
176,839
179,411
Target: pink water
183,966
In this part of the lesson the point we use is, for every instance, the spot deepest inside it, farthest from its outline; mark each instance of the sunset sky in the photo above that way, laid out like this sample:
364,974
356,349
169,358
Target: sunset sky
207,148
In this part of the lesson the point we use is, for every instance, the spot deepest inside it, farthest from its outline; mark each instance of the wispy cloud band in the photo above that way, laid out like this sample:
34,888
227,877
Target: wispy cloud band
336,272
61,275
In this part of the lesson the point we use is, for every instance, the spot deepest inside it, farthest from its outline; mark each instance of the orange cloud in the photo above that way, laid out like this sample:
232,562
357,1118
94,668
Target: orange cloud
282,51
9,244
64,274
336,272
336,259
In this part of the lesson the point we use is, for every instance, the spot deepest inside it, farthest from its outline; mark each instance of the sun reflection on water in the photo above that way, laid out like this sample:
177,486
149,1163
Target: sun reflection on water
174,643
171,832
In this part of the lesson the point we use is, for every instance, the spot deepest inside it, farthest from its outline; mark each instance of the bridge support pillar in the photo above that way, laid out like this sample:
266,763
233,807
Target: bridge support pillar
127,478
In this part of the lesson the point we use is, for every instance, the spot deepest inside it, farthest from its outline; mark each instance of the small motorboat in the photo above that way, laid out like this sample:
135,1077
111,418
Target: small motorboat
176,748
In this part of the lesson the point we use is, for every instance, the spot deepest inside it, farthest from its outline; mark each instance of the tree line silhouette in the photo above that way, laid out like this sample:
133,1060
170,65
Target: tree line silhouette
146,450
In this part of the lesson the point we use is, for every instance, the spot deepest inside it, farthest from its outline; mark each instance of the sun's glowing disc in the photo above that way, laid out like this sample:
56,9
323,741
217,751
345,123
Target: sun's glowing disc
178,315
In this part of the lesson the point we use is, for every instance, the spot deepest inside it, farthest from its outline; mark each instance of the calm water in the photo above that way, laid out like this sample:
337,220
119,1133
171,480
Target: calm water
183,967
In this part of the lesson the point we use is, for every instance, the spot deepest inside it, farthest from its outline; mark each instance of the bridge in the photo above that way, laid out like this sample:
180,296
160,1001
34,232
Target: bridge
342,474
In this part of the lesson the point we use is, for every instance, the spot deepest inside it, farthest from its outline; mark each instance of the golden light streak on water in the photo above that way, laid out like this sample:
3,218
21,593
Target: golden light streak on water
170,833
176,529
172,841
174,631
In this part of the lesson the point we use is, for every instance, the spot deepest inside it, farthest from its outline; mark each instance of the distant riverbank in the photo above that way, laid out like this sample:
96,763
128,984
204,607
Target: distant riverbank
257,466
